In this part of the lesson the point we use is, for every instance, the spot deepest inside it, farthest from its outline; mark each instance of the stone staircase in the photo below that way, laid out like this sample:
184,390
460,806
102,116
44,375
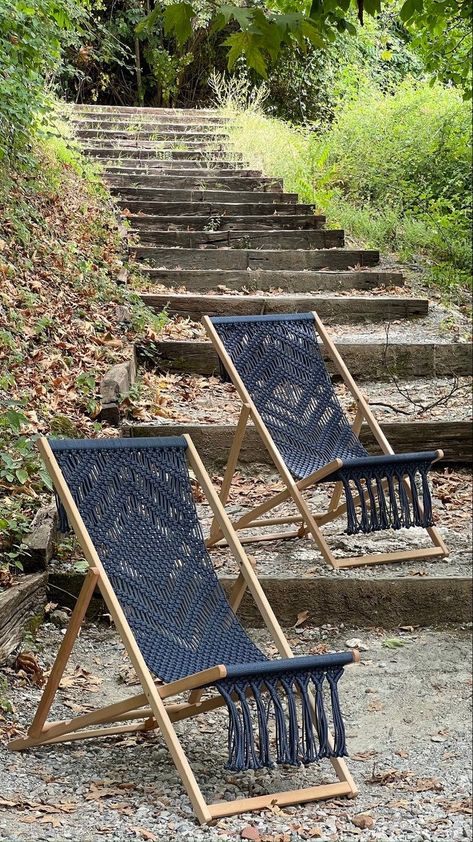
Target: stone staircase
218,237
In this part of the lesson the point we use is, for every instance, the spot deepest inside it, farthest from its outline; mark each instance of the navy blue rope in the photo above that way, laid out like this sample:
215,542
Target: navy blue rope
281,364
136,500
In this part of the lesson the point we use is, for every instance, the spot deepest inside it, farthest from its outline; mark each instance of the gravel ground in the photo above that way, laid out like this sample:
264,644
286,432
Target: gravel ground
408,722
439,325
300,556
183,398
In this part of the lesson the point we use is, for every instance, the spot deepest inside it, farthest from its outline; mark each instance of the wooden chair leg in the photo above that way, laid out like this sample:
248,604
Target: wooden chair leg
215,533
65,650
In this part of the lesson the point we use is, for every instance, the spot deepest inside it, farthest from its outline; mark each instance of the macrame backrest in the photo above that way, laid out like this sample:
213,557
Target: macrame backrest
279,360
135,498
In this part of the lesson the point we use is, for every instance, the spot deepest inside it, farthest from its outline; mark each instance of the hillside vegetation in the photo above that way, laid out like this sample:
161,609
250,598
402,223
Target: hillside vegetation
393,168
64,318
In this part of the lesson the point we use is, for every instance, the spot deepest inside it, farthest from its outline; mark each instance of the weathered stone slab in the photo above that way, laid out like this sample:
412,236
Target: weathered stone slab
191,194
126,182
219,210
145,224
284,259
309,239
40,540
17,605
342,308
213,441
114,388
369,361
156,133
384,602
203,280
115,153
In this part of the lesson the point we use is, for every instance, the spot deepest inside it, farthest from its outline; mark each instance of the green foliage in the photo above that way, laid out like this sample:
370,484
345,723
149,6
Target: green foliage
19,467
394,170
441,34
310,86
32,33
262,32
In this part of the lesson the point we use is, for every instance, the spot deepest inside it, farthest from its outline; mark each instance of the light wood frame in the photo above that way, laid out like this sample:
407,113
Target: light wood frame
149,706
307,523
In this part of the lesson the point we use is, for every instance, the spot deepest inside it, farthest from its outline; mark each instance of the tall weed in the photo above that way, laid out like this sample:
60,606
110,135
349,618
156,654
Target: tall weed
393,169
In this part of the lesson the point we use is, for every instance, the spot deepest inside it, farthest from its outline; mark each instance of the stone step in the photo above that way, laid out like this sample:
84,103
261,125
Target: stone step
131,142
162,170
134,112
174,165
213,441
143,222
370,359
292,260
205,280
148,181
127,124
361,308
190,194
213,209
308,239
155,135
390,599
115,153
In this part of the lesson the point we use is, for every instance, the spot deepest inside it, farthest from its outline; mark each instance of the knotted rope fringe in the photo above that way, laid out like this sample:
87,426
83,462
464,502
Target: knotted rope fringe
297,741
384,501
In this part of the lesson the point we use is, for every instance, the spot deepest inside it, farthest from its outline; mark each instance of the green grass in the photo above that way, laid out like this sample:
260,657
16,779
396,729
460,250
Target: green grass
393,170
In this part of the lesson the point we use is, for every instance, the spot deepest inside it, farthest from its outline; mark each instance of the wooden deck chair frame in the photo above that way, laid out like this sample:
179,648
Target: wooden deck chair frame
308,523
149,706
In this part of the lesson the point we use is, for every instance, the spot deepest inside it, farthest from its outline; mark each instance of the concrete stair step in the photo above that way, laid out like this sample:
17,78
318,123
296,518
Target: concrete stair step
156,134
342,308
110,123
205,280
133,112
212,209
192,194
115,153
292,260
305,239
154,164
142,223
370,359
182,171
213,441
133,142
146,181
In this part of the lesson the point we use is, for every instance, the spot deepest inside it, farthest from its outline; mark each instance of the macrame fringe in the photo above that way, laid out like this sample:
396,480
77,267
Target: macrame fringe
384,501
303,739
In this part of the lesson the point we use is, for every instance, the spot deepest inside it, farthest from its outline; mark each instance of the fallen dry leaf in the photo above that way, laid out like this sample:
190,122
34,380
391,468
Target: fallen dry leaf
363,821
251,833
144,834
27,663
301,618
390,776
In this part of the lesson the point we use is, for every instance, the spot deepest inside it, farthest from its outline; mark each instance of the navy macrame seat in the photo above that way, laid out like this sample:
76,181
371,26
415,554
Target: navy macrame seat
136,501
279,360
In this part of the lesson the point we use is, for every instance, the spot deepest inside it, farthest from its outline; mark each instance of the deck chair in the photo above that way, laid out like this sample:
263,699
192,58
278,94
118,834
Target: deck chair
131,505
277,367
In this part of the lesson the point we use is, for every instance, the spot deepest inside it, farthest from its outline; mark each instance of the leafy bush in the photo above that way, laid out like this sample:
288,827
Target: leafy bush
309,85
31,38
393,169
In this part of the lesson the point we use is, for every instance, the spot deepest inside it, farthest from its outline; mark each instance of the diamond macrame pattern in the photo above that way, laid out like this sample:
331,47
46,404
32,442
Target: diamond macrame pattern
282,367
138,508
